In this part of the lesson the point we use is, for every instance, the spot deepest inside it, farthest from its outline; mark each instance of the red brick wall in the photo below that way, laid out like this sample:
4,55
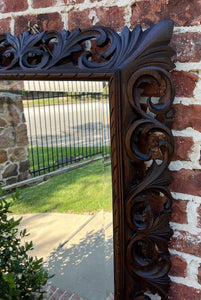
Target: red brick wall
186,167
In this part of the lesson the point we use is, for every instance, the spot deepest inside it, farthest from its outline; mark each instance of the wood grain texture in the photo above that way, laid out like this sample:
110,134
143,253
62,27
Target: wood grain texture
141,199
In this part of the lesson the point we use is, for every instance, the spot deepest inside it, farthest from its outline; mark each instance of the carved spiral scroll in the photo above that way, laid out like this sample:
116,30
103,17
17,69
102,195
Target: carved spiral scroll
51,49
147,248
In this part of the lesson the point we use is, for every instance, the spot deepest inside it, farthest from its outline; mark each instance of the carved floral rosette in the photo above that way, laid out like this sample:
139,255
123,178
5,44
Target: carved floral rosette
140,180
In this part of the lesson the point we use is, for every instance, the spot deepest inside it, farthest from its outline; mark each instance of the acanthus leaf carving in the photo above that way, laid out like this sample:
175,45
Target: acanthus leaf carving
132,47
147,255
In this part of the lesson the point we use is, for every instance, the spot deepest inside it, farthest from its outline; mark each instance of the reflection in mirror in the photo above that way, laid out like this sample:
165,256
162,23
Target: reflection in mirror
55,147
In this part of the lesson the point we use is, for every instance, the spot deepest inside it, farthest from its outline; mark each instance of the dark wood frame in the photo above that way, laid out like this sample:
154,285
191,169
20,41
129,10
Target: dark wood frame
141,232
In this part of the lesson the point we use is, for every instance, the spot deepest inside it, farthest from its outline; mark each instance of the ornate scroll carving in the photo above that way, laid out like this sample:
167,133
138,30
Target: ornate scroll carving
147,256
141,199
30,51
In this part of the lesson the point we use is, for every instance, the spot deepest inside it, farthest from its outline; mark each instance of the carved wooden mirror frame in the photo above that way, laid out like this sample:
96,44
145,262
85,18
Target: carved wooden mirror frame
141,228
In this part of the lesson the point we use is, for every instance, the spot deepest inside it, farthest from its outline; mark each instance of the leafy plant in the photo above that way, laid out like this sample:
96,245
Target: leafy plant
21,275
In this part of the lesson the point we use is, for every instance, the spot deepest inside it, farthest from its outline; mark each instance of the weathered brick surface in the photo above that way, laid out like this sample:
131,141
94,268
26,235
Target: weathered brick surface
179,211
153,89
184,82
187,116
57,295
186,182
7,6
183,147
5,25
43,3
187,46
51,21
79,19
183,292
179,266
199,216
182,150
68,2
75,297
105,16
66,295
182,12
186,242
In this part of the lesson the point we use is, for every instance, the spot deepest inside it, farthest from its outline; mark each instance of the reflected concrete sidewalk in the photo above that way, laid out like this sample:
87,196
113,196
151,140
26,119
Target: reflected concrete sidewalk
78,249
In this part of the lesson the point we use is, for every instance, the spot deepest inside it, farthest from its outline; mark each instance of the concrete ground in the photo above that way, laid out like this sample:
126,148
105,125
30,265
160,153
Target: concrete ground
78,249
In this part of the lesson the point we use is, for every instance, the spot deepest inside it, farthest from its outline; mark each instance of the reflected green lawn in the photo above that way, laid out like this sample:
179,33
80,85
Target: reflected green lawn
84,190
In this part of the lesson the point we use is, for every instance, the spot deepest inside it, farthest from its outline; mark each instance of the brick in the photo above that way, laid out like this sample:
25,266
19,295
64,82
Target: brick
5,25
68,2
199,217
13,6
179,266
187,116
75,297
199,274
103,16
181,12
184,82
187,46
51,21
182,292
58,294
183,147
50,291
179,211
186,182
186,242
66,296
152,89
43,3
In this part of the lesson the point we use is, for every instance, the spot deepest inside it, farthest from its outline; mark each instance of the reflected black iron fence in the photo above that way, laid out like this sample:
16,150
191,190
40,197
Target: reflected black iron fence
67,122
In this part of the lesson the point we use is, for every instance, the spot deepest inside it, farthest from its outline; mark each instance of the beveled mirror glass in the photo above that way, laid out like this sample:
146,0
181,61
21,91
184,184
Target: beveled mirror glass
68,216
